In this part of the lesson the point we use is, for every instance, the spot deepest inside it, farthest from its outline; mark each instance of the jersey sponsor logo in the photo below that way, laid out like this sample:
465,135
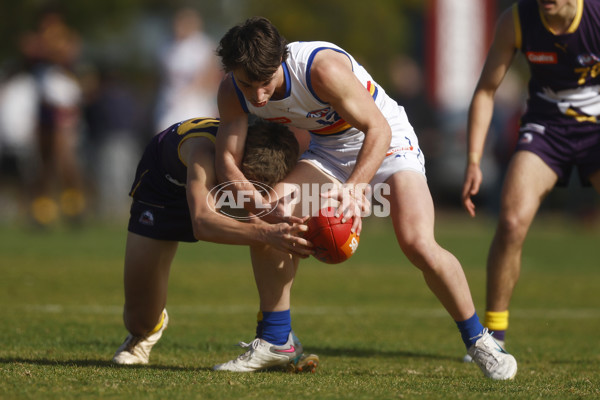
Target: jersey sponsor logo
174,181
279,120
539,57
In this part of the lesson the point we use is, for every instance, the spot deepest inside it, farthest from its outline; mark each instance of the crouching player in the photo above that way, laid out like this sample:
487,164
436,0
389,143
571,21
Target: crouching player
173,202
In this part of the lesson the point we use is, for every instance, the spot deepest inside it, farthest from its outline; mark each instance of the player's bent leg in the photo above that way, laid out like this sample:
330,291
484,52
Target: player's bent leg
412,215
147,266
136,349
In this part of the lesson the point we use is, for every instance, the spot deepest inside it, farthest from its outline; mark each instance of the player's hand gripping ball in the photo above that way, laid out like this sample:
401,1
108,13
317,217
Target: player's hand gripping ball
333,240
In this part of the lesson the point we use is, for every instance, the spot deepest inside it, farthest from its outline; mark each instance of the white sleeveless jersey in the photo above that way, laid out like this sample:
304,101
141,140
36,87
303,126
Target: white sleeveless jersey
330,134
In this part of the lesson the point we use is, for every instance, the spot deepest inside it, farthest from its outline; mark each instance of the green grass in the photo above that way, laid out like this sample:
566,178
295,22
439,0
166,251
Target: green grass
378,330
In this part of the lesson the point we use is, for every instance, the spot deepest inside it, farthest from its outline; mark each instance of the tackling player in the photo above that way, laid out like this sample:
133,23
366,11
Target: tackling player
359,136
173,202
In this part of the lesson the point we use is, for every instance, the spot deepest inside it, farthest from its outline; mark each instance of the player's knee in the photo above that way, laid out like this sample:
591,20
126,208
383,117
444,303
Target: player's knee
512,227
420,251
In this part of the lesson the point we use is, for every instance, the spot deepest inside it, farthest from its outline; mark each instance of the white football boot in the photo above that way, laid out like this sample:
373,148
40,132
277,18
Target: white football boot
263,355
491,358
467,358
136,349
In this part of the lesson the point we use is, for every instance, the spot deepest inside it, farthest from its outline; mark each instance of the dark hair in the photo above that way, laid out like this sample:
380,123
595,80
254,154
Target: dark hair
254,45
270,153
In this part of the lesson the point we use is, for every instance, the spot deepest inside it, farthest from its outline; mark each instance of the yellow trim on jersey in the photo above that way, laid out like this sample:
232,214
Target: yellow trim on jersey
574,24
208,136
138,183
195,123
517,23
577,19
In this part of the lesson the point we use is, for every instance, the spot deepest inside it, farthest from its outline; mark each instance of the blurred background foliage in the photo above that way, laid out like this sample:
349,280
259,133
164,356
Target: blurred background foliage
123,39
125,33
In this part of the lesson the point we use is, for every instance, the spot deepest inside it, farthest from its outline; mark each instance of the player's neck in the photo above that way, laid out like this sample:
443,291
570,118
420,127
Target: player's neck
560,21
281,87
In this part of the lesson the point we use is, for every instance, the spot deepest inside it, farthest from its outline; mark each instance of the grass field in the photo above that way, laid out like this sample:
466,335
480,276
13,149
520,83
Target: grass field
378,330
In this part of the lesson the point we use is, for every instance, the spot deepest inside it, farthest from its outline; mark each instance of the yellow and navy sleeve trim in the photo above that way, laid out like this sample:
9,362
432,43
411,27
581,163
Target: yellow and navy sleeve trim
517,23
197,128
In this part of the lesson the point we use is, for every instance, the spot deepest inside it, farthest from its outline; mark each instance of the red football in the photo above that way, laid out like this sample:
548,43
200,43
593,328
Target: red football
333,240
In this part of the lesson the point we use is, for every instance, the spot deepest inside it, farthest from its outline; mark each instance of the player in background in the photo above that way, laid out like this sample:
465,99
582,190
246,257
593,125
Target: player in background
359,136
173,202
559,130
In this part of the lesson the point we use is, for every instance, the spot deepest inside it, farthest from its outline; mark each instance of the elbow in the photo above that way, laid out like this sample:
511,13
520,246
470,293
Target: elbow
201,229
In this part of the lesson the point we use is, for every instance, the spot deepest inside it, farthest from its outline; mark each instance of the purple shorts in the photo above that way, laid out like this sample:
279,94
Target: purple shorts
564,147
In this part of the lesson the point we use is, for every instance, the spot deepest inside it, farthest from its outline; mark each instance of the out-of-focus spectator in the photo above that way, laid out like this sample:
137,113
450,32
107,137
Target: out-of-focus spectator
408,89
59,188
19,158
113,142
191,72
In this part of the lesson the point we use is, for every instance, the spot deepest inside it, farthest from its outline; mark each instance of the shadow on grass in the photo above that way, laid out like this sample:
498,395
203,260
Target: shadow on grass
320,351
367,353
97,363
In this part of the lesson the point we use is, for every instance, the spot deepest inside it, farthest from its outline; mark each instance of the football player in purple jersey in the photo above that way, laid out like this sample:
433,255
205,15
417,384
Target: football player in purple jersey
559,130
174,200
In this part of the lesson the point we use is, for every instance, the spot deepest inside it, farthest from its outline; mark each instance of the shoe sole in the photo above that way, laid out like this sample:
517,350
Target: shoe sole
306,363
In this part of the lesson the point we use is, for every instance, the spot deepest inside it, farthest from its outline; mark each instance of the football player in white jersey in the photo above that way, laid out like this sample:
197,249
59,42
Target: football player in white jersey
359,137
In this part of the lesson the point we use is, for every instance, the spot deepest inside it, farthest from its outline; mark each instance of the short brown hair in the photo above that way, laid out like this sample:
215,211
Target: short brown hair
254,45
270,153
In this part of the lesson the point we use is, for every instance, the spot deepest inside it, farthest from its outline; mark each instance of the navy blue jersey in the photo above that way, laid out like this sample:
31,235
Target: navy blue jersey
159,209
161,174
564,86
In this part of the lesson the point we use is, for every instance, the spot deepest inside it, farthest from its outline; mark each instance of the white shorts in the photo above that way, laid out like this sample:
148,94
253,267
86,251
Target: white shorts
336,155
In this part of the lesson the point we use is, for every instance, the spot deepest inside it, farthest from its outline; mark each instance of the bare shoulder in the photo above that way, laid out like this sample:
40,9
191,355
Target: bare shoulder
328,63
331,74
505,28
226,87
196,148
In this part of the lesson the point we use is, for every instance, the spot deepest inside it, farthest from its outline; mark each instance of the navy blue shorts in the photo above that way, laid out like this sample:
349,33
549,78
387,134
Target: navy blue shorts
564,147
161,223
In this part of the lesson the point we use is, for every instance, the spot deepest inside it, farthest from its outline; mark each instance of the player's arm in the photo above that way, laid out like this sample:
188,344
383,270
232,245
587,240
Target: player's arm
209,225
498,61
335,83
231,138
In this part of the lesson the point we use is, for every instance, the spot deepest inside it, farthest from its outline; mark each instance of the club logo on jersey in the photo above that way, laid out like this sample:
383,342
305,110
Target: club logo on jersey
147,218
587,60
322,113
231,202
539,57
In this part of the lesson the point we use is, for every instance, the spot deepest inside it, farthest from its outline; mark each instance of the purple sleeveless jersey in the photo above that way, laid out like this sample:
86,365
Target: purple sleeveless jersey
562,120
159,209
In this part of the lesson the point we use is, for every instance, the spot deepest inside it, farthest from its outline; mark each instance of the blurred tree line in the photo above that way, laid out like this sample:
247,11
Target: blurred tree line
121,33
